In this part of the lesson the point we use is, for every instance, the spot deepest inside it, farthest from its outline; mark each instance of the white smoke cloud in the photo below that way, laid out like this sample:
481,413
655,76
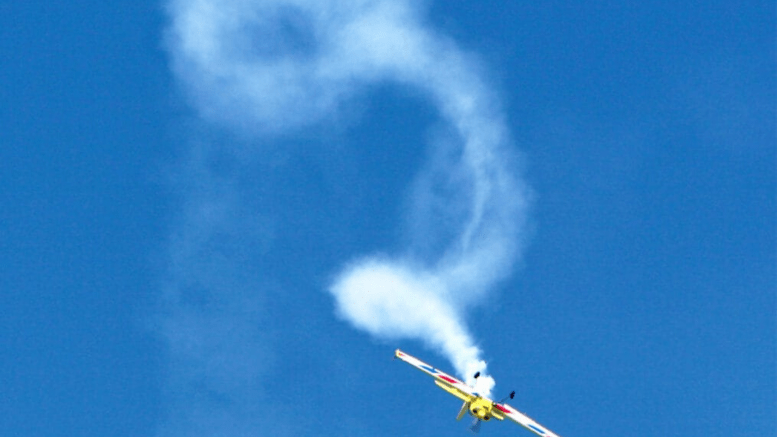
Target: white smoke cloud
268,67
393,301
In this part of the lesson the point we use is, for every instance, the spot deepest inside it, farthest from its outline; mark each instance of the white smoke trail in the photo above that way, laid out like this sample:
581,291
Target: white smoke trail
269,66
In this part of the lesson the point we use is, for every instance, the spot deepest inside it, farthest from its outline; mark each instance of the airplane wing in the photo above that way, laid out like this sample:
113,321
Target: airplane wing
443,380
524,420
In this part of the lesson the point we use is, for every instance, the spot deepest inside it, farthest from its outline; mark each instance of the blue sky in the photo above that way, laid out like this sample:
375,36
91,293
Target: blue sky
170,241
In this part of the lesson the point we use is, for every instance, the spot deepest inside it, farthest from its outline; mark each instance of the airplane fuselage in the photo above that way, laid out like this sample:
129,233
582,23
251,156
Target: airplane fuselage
481,408
477,406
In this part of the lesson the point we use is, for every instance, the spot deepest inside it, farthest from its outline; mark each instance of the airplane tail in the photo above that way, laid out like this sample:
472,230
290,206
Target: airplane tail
475,427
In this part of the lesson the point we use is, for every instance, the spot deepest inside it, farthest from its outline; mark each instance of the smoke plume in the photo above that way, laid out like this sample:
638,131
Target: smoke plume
273,66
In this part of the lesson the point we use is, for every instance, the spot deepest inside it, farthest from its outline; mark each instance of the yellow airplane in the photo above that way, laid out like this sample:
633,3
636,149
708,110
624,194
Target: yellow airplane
479,407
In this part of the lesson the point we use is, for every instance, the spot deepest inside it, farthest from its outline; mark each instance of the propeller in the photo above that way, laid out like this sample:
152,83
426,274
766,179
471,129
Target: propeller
463,410
475,427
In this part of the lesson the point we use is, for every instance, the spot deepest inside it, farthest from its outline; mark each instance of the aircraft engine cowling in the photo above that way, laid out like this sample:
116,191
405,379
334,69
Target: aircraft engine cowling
480,409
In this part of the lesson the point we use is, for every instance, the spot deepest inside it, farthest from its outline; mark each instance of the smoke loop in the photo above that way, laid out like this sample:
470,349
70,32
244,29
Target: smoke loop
272,66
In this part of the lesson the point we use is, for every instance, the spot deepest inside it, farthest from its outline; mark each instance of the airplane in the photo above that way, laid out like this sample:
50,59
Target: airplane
480,407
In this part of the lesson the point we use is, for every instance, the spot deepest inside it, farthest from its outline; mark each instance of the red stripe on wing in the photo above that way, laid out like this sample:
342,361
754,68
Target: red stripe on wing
448,379
502,408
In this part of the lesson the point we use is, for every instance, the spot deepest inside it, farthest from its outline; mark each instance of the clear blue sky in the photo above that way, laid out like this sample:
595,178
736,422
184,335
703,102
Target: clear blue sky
165,274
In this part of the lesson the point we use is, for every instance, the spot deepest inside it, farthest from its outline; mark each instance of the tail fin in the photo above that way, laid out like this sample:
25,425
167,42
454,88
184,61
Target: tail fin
475,427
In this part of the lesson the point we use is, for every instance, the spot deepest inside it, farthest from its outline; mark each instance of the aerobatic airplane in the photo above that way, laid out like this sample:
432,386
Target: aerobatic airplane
479,407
